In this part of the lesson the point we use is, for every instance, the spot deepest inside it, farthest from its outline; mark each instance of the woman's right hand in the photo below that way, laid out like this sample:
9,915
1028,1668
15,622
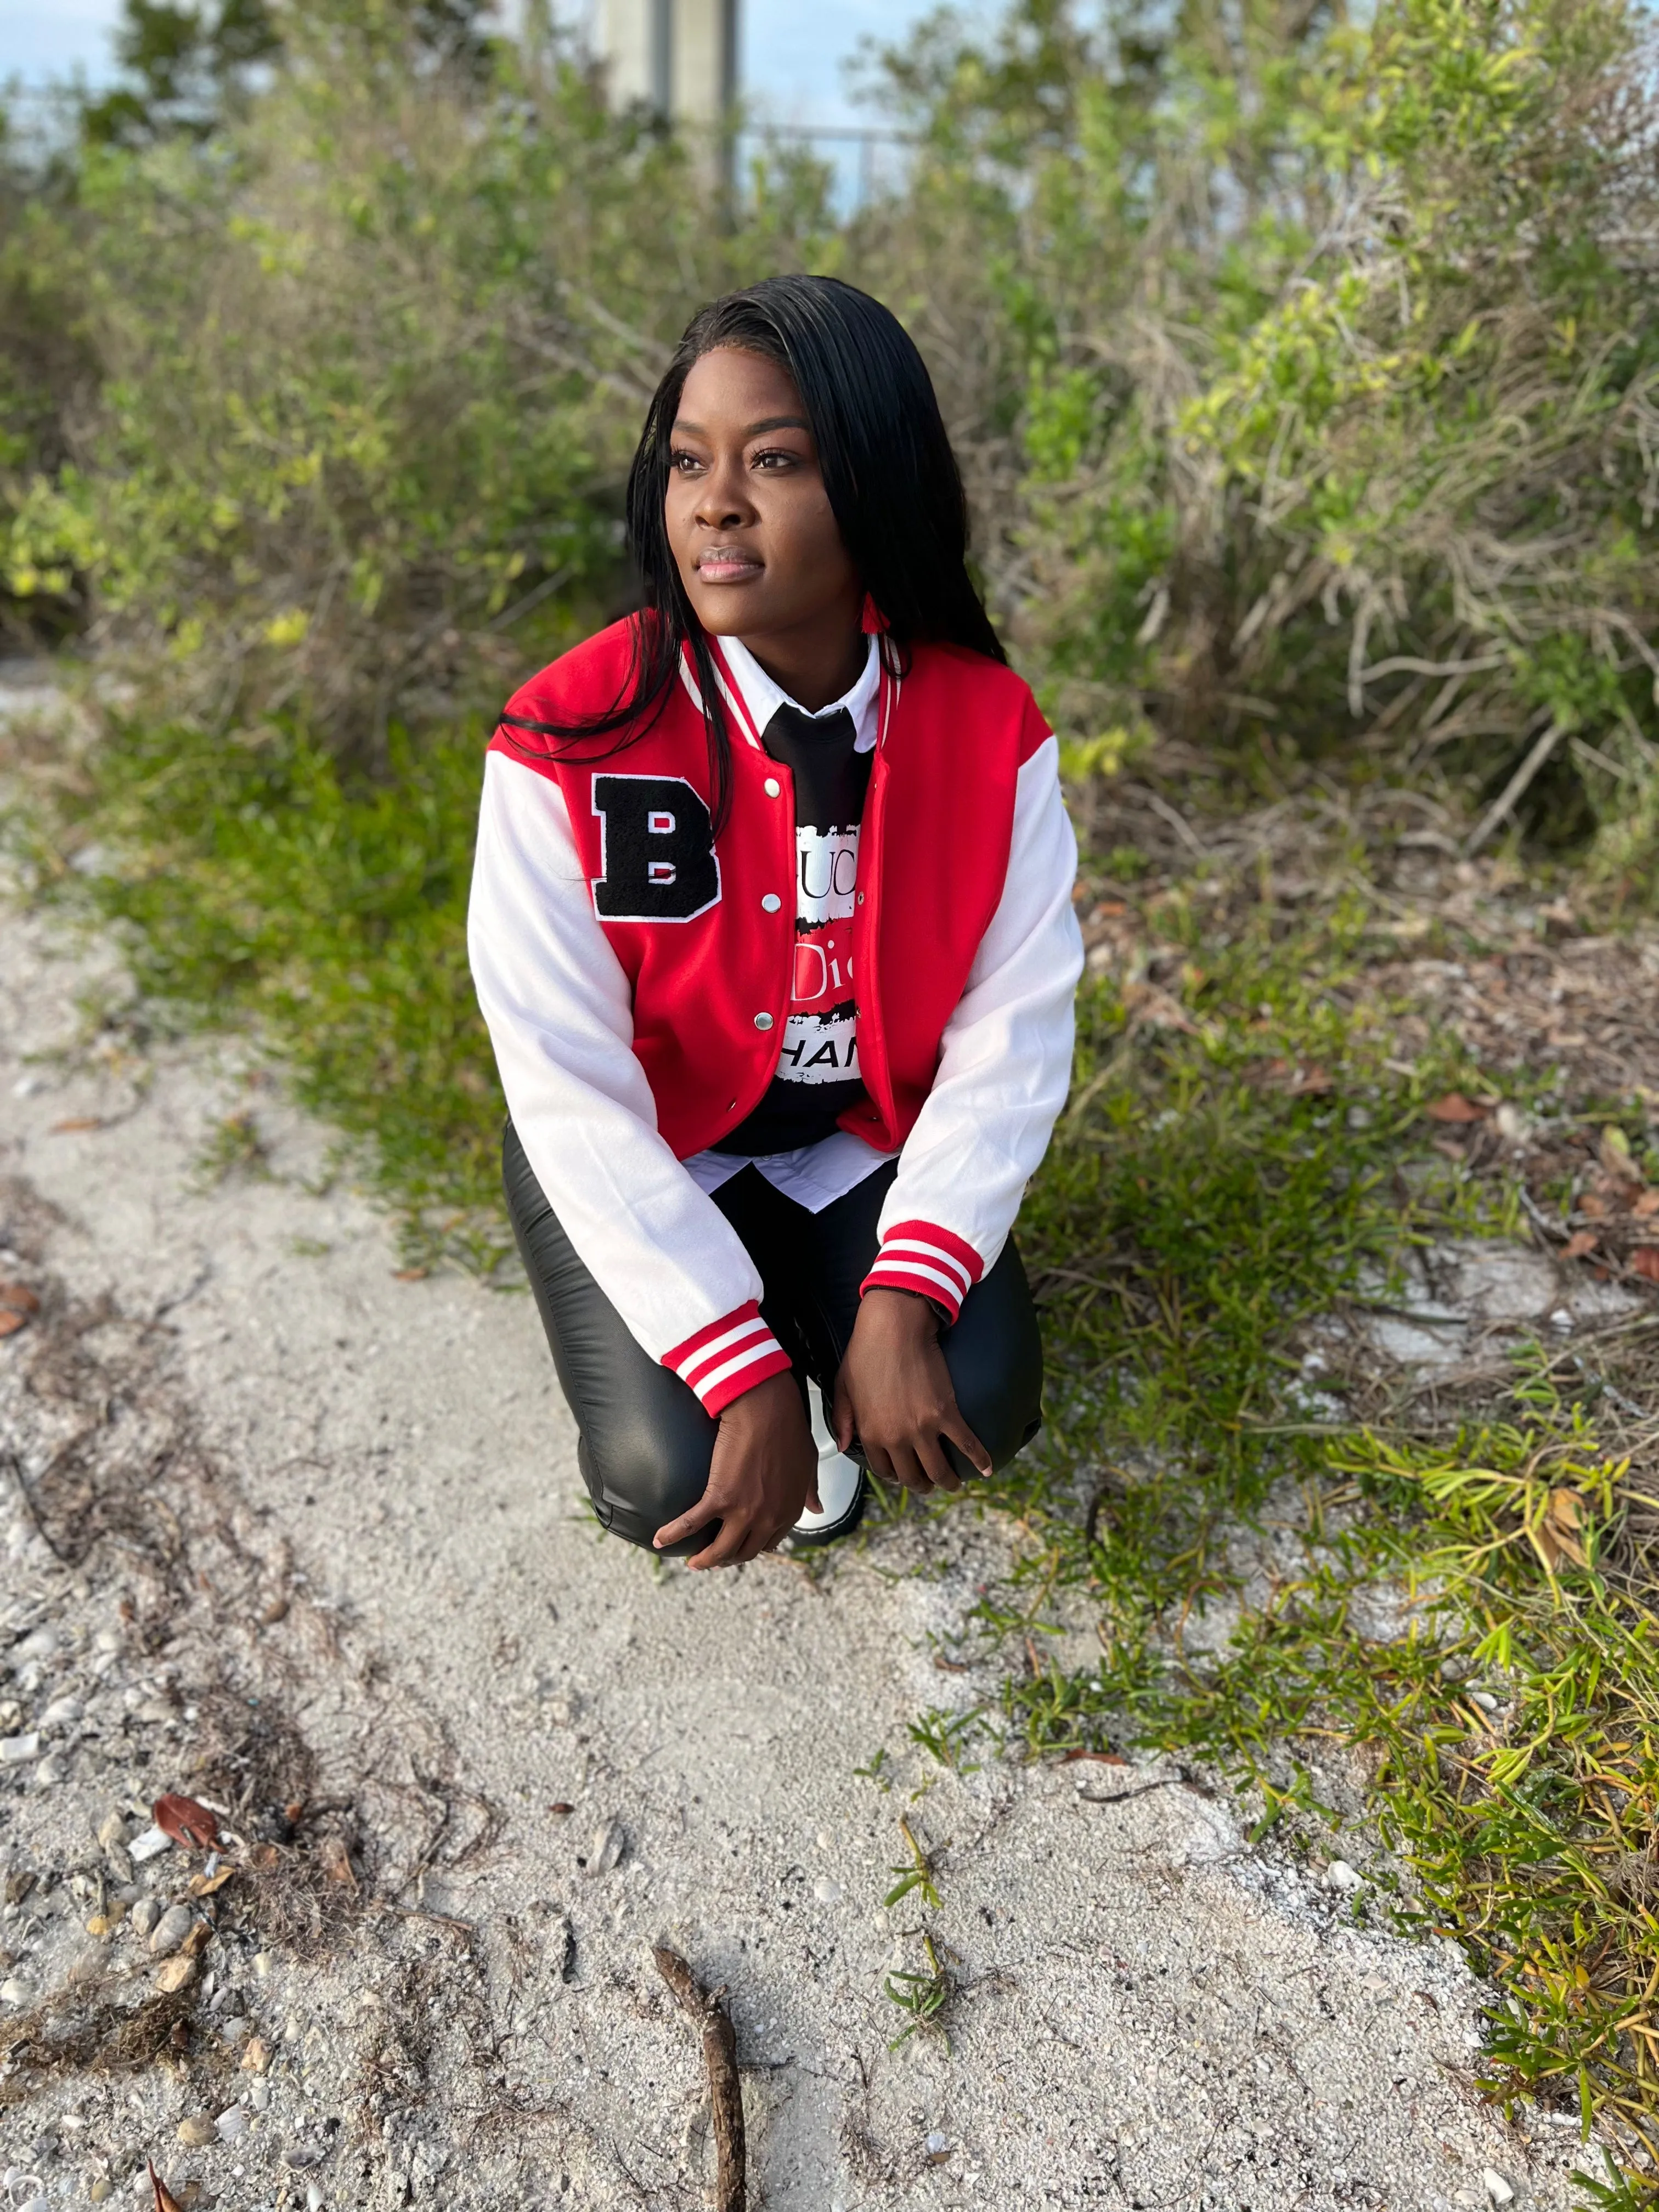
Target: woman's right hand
764,1470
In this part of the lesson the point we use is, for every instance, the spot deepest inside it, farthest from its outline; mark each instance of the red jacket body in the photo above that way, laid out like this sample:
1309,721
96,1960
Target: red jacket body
711,988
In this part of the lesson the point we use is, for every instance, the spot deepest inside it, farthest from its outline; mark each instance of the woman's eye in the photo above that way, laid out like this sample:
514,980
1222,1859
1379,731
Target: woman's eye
776,458
682,464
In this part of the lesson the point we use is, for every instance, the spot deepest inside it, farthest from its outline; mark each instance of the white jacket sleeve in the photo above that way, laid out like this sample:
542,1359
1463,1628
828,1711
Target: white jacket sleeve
1005,1064
560,1015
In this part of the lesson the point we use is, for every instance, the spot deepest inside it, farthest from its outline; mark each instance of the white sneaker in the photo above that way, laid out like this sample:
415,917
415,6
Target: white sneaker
841,1484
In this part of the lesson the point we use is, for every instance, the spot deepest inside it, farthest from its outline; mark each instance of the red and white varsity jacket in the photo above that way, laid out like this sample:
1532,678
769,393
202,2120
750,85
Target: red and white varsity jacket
635,973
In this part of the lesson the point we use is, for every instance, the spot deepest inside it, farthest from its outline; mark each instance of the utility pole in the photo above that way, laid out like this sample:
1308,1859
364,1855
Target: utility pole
678,57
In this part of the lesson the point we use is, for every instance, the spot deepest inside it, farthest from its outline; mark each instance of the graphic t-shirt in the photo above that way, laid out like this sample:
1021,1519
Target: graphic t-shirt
817,1074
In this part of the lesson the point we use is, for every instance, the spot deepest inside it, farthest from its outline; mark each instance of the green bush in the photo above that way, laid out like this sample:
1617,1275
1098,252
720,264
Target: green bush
370,365
1319,392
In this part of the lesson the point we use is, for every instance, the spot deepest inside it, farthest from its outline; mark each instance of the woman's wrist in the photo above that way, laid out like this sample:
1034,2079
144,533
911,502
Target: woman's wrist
907,1312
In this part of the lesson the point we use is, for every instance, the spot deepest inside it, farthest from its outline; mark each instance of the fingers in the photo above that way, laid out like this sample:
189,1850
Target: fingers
675,1532
841,1418
952,1425
935,1461
727,1548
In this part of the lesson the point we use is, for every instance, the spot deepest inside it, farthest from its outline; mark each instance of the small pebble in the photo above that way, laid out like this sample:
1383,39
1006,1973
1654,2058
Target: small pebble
1500,2190
145,1914
112,1829
1485,1699
17,1750
232,2125
53,1770
826,1841
825,1891
937,2148
17,1991
257,2058
262,1963
171,1929
1341,1875
313,2198
176,1975
102,2190
198,2129
150,1844
260,2096
39,1643
62,1713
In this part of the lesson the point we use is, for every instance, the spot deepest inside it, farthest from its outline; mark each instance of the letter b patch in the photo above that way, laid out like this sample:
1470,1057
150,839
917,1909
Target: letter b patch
657,860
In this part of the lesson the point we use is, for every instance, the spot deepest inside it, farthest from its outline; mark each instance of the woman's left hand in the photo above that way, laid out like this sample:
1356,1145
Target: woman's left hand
894,1393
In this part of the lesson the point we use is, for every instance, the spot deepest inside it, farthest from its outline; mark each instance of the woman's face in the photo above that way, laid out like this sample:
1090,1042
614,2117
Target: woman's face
750,522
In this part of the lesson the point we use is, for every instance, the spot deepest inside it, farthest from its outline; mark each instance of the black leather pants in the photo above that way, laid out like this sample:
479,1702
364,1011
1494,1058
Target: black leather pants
646,1442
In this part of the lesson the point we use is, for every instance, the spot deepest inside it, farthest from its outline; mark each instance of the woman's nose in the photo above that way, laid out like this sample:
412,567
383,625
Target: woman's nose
724,503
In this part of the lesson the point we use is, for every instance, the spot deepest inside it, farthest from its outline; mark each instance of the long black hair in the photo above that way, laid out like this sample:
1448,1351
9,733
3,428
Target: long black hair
891,477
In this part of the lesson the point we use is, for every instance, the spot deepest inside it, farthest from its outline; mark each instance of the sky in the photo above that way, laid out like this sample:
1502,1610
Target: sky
793,49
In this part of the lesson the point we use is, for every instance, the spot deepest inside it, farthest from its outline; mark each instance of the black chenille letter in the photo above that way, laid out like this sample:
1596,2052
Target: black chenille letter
657,850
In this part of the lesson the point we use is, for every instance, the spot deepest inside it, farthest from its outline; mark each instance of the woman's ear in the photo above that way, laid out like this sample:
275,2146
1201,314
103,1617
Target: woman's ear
872,621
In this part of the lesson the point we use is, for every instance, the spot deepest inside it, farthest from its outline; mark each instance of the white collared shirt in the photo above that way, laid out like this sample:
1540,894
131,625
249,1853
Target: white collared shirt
814,1176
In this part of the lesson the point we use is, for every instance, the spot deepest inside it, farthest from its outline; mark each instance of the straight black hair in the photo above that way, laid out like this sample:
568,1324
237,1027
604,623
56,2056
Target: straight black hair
891,478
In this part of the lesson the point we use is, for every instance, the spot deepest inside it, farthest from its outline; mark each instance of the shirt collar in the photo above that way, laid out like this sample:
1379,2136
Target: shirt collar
762,697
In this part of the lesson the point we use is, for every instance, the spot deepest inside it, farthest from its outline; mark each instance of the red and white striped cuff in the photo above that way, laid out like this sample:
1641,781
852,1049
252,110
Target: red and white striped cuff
728,1357
916,1256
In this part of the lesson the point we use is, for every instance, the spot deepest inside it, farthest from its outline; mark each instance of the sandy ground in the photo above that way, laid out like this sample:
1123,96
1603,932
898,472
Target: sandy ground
272,1507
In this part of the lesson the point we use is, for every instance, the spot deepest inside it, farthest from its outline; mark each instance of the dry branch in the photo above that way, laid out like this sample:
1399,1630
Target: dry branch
719,2050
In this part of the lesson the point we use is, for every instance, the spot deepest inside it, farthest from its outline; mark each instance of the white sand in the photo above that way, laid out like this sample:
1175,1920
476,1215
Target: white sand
1151,2013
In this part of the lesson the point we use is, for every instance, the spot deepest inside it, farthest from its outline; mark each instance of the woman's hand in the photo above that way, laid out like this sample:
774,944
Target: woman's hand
894,1394
764,1470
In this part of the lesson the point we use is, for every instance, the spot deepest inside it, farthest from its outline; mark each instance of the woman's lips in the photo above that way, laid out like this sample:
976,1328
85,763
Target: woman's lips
728,567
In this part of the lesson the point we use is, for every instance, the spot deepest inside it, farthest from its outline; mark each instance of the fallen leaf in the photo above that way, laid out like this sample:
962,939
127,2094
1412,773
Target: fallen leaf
197,1940
1554,1536
562,1808
11,1322
165,2199
337,1862
1455,1107
263,1857
1581,1242
77,1121
186,1822
1644,1262
1148,1007
19,1298
1301,1081
1647,1206
1100,1758
1613,1153
1593,1208
204,1884
411,1274
1109,910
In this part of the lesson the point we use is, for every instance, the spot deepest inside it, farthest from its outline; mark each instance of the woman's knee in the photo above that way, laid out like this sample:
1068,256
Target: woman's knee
994,1354
641,1475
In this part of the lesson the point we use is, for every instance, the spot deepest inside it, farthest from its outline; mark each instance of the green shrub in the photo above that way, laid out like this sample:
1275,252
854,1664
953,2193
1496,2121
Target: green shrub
1318,389
371,363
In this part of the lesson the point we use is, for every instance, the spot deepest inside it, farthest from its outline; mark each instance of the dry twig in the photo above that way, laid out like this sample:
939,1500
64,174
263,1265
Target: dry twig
719,2050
